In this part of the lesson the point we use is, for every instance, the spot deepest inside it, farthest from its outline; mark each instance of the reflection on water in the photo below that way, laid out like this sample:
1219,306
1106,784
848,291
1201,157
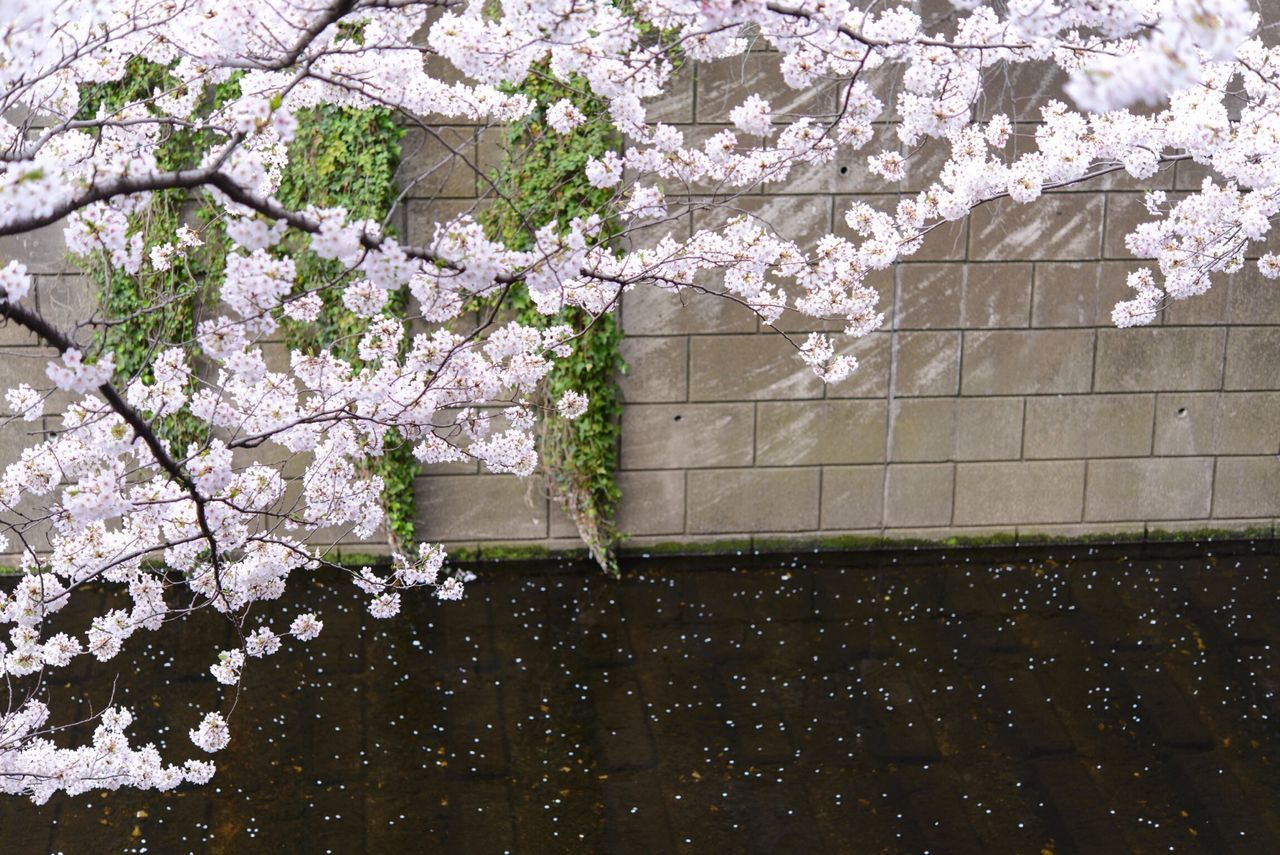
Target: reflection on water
977,702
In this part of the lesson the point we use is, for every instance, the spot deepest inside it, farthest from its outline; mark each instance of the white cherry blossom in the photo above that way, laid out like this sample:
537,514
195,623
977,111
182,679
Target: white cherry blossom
222,526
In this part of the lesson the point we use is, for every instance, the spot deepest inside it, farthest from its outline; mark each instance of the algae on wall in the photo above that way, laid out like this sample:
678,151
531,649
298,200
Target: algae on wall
545,171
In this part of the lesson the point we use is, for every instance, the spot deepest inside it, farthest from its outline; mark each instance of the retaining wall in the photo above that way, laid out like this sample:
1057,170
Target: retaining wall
997,401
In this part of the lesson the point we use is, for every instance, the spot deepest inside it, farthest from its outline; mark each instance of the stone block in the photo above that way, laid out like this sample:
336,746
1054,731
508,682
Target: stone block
376,544
1196,423
926,363
1022,91
422,216
479,507
1187,423
748,367
922,429
22,117
675,105
397,219
1253,358
559,523
1019,493
657,368
847,172
651,503
1150,488
1253,296
747,500
811,433
940,535
988,428
1078,293
1155,359
871,379
42,250
460,467
1190,175
16,436
492,152
439,162
930,296
918,494
291,466
677,224
1088,426
13,335
923,162
1247,487
27,365
1027,362
852,497
67,300
1125,212
996,295
656,545
436,65
1269,15
1211,307
654,311
1221,528
725,84
802,219
677,436
275,355
947,241
1056,227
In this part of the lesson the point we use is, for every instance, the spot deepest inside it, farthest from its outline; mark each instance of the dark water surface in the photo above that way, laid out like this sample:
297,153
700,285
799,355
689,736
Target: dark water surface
1059,701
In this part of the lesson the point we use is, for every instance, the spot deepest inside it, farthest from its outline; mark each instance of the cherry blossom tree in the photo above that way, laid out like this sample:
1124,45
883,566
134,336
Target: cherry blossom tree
217,525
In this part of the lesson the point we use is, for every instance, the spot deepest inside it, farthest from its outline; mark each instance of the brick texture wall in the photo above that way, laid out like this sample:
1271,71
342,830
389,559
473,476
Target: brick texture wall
997,398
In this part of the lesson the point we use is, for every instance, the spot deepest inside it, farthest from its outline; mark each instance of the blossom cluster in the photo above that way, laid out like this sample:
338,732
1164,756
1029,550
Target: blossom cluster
225,524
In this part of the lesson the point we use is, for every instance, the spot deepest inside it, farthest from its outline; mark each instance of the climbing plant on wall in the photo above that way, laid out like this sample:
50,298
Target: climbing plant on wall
339,157
143,312
345,157
545,171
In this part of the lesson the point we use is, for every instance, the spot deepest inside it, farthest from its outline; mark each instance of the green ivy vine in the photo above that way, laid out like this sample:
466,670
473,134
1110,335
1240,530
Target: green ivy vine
342,156
339,157
152,309
347,157
544,177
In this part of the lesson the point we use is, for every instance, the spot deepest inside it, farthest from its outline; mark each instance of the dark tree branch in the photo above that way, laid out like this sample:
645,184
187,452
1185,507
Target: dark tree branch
56,338
333,14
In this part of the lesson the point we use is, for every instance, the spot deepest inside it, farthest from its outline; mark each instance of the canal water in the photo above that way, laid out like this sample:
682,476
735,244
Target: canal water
1063,700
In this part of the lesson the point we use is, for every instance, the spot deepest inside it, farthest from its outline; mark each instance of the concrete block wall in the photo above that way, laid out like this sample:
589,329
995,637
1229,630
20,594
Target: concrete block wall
997,399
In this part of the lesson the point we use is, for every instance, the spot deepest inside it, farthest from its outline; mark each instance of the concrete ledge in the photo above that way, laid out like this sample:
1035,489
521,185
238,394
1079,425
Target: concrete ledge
876,540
